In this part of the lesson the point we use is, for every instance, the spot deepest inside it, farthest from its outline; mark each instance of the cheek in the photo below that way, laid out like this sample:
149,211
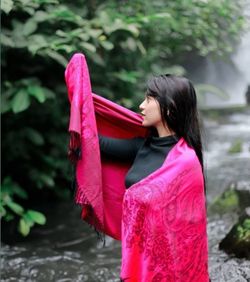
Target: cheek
158,116
156,112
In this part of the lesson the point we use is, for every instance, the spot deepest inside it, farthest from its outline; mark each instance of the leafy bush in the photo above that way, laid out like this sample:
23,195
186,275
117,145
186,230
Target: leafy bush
9,208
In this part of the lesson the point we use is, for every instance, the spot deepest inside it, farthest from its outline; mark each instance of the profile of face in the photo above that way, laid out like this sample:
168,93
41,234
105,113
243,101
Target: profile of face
150,110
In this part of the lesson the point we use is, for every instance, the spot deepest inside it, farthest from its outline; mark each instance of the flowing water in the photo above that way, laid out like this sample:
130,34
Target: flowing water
222,170
66,249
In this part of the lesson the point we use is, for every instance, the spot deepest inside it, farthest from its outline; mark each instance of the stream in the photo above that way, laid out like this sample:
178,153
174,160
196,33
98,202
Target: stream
67,249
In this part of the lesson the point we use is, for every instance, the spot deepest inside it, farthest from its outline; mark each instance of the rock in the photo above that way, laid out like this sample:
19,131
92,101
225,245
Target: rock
237,241
236,147
234,199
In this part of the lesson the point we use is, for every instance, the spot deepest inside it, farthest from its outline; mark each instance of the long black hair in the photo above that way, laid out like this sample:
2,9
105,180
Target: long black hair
178,105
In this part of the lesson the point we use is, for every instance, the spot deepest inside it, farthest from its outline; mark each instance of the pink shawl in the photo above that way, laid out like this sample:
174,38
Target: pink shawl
161,220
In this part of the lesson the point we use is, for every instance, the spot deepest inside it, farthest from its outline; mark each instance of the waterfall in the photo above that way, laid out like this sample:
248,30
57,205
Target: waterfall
231,75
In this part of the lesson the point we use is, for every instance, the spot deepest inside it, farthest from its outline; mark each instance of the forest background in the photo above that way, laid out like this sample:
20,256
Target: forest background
125,43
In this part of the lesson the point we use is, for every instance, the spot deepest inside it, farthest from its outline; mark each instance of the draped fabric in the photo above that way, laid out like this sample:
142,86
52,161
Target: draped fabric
100,182
161,220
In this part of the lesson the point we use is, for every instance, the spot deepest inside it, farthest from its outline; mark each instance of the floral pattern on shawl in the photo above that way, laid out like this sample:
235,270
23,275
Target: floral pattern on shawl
161,223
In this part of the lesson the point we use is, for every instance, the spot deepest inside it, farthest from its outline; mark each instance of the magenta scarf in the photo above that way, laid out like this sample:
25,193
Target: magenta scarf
161,220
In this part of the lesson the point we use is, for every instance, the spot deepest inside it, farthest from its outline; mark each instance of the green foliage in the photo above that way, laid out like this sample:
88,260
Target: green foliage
9,208
17,96
123,42
243,230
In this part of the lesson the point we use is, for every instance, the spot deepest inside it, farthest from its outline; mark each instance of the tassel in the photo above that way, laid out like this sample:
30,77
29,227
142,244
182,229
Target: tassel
74,151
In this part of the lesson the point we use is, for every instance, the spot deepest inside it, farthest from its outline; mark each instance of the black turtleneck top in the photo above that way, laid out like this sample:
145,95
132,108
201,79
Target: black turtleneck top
146,154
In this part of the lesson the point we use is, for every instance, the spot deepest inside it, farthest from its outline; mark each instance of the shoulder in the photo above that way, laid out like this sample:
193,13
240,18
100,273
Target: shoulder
186,154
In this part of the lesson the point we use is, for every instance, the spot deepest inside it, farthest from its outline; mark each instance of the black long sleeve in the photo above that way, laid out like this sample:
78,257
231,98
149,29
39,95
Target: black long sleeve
146,155
120,149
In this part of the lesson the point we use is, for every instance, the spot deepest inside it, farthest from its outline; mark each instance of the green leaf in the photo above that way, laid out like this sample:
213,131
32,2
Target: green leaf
95,33
57,57
10,188
28,220
7,41
126,76
2,210
29,27
37,92
5,104
20,192
37,217
7,5
46,1
36,42
40,16
34,136
64,47
48,93
246,223
9,217
16,208
23,227
97,59
47,180
21,101
107,45
88,46
62,12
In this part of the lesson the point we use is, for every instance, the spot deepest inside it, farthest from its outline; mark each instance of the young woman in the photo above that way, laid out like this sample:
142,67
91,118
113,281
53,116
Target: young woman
140,177
170,108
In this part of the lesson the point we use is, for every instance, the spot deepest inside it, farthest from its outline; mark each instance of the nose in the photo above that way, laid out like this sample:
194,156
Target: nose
141,106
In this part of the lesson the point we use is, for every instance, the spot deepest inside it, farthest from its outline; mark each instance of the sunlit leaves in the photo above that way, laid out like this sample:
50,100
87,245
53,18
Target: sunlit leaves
16,208
24,227
9,208
29,27
18,97
36,217
21,101
55,56
37,42
7,40
29,219
37,92
7,5
10,188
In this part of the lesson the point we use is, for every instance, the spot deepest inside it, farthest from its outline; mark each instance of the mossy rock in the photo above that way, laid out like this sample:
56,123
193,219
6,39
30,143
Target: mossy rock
227,202
236,147
234,199
237,241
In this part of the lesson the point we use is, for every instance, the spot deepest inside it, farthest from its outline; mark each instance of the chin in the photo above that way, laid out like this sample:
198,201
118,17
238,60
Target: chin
145,124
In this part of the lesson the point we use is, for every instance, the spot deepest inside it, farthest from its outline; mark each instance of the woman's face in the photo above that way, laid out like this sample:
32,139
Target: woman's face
150,110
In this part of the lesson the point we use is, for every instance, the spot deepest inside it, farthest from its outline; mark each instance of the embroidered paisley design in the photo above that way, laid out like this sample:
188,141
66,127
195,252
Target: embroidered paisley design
161,223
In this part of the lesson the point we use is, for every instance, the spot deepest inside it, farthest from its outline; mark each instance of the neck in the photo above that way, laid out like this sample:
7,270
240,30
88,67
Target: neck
164,131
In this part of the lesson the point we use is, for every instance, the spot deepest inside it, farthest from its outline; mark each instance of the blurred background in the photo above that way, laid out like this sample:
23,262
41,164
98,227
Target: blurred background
125,43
